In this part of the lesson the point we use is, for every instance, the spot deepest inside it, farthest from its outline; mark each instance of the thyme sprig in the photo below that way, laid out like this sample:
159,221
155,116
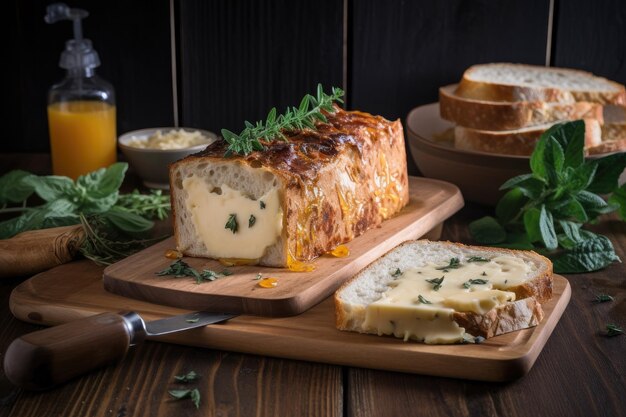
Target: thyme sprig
295,118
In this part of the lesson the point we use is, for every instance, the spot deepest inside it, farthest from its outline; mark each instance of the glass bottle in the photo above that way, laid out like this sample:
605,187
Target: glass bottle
81,108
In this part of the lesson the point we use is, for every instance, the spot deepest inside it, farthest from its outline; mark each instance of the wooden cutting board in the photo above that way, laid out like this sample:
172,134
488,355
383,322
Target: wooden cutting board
431,202
75,290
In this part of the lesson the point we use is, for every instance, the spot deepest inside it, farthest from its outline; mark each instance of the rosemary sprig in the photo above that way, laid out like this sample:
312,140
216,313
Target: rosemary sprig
613,330
295,118
603,298
180,268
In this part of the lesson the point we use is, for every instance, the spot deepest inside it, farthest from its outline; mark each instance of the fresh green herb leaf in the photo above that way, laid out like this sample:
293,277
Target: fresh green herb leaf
127,221
546,227
438,282
487,231
589,255
422,300
453,264
608,172
603,298
188,377
262,204
477,281
509,206
226,272
192,394
251,220
310,109
396,273
232,223
258,276
477,259
14,188
180,268
613,330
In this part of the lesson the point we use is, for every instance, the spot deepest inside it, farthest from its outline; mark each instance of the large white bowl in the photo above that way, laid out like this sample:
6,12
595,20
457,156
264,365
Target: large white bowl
152,165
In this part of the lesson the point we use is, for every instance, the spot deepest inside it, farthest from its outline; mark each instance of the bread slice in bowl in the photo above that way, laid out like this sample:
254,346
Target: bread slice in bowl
520,82
516,142
502,115
443,292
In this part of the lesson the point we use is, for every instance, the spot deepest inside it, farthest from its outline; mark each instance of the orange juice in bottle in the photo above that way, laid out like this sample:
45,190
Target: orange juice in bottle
81,108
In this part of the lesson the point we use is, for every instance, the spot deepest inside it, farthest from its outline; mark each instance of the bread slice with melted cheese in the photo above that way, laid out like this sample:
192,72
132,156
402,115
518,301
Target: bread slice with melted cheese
296,199
442,292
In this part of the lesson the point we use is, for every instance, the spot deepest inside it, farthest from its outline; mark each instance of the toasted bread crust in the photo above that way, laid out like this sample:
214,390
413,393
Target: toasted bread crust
510,317
514,142
478,90
336,182
494,115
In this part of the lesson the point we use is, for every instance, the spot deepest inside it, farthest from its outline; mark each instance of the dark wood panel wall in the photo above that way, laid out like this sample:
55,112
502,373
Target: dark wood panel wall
235,59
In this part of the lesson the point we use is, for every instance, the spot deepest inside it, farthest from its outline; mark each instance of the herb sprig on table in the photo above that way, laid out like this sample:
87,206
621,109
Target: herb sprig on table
305,115
115,224
546,210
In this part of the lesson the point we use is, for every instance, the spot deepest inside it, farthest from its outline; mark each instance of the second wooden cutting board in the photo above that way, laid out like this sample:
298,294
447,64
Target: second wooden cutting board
431,202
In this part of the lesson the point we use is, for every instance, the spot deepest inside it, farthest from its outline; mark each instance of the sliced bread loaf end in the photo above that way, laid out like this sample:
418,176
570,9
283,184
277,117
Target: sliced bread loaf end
437,292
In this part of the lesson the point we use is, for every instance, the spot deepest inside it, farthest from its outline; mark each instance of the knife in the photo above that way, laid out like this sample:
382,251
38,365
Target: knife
46,358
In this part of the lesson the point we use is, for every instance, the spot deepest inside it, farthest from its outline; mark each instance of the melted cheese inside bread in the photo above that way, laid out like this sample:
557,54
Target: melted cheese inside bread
419,304
257,224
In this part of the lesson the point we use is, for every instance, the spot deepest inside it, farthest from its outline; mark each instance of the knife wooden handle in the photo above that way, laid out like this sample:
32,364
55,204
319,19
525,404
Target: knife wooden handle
45,358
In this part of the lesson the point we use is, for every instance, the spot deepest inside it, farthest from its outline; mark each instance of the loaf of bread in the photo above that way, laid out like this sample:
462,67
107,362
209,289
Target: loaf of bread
295,200
442,292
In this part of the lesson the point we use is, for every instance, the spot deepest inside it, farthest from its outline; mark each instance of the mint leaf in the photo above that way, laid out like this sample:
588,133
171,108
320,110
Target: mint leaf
608,172
590,255
530,186
571,137
487,231
546,226
531,224
618,198
510,205
13,188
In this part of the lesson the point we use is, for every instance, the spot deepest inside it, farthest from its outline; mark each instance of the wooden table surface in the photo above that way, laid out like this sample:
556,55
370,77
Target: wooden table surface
579,373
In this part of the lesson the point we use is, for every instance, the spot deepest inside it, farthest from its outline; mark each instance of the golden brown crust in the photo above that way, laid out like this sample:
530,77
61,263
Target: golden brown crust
339,180
479,90
494,115
517,315
531,293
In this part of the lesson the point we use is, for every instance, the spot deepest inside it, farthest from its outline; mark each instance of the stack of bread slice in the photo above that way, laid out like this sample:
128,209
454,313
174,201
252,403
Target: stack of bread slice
504,108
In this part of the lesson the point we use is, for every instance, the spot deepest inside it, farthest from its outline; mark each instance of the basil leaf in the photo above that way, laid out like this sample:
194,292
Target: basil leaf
91,205
608,172
104,181
56,213
546,227
487,231
126,221
13,188
510,205
590,255
51,187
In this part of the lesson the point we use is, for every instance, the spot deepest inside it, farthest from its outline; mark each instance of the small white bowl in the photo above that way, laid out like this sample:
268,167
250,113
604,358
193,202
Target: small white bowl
152,165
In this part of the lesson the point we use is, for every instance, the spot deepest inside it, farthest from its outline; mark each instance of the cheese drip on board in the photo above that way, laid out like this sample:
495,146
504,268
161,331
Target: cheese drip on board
254,225
420,303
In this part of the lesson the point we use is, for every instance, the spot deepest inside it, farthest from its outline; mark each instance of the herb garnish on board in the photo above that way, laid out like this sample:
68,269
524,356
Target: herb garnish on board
114,223
546,210
295,118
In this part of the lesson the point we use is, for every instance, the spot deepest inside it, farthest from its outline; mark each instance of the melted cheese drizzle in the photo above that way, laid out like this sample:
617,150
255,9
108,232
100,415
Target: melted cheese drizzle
211,211
400,312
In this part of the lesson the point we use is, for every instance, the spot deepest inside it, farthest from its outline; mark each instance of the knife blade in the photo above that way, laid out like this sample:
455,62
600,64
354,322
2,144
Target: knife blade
46,358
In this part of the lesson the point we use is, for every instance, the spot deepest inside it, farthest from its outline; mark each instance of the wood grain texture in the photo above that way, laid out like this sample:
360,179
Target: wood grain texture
238,59
133,41
580,372
431,202
590,36
71,291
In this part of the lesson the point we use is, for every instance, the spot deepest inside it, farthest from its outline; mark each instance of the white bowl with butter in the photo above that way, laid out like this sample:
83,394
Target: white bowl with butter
150,151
